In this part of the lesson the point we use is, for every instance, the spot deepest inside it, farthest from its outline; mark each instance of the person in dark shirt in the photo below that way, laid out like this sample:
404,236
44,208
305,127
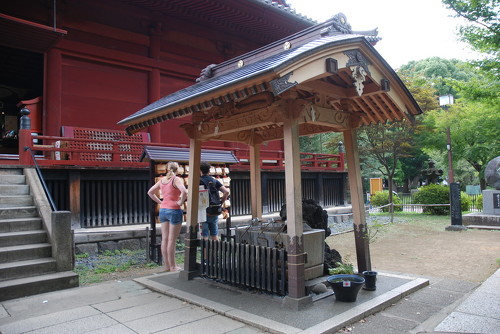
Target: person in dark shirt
210,226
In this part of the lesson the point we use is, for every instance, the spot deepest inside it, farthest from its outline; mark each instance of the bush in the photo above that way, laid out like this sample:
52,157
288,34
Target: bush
439,194
479,202
465,201
381,198
434,194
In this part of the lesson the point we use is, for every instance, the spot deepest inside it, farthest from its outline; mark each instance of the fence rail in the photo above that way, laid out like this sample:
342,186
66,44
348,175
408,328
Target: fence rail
408,203
258,267
108,148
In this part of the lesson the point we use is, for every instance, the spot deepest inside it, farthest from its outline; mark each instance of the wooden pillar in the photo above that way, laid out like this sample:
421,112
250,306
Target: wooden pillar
296,257
255,181
358,207
191,238
74,198
53,86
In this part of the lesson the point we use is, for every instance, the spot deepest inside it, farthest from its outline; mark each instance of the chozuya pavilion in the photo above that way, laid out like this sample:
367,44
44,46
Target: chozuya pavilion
324,78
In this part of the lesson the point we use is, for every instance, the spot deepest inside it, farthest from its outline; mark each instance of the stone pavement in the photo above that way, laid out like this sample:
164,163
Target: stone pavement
164,304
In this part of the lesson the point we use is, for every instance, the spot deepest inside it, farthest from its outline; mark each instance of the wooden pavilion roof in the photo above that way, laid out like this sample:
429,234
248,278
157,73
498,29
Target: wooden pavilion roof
337,76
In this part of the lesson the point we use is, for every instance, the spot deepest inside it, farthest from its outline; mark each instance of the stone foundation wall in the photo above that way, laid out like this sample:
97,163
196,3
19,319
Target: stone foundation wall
93,242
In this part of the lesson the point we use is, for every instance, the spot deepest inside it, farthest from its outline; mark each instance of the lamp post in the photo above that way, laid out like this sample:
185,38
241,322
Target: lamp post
455,207
444,102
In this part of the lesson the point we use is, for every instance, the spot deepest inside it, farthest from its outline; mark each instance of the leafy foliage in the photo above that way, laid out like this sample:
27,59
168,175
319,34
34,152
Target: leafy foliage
434,194
483,30
342,268
381,198
479,202
439,194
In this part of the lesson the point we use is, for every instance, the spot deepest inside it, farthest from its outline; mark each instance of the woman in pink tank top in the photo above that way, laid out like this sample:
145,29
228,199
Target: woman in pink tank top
174,193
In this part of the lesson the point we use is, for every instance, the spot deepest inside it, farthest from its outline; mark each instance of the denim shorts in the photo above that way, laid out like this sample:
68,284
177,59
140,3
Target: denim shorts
211,225
174,216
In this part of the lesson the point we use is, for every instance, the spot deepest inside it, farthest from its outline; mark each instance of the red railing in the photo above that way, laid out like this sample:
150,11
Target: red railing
67,151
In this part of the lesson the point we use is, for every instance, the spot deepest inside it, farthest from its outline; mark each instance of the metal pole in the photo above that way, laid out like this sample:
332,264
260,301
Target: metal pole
451,179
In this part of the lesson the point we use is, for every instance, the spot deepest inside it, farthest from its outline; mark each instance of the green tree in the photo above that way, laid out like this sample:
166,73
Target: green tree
482,32
386,144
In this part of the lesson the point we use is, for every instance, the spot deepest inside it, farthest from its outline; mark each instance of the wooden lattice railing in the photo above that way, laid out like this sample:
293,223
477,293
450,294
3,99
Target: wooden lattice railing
115,149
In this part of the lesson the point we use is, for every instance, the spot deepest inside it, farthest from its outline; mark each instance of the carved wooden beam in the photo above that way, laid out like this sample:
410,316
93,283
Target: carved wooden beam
327,117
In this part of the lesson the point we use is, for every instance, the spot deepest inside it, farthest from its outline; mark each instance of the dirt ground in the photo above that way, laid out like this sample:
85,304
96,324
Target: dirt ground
410,246
425,248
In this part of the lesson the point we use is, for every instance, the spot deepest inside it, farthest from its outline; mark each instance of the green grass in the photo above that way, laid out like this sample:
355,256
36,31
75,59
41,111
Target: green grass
110,262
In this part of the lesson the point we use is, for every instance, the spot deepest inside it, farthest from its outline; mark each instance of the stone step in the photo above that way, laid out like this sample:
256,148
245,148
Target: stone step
11,171
27,268
12,179
25,252
22,238
14,189
15,200
18,212
28,286
20,224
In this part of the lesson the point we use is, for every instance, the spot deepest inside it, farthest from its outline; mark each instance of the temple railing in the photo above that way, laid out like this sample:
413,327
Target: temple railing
118,153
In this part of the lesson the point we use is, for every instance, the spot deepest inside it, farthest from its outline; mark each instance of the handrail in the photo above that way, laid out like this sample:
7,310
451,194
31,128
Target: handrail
40,176
112,153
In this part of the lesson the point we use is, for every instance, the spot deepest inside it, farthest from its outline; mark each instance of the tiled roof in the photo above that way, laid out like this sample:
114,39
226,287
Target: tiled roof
159,153
221,83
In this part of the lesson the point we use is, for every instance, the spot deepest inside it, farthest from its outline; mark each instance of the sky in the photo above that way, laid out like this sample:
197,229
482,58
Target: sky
410,29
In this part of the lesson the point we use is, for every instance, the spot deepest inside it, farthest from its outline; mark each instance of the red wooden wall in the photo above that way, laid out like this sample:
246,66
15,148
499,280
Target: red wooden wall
118,57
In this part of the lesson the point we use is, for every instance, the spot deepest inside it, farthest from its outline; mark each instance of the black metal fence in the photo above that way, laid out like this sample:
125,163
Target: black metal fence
258,267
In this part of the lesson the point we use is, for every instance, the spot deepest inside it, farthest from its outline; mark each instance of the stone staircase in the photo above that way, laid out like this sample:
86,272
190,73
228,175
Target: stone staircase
26,263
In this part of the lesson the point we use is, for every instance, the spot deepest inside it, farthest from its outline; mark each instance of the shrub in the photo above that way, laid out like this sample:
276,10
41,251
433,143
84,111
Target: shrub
381,198
465,201
479,202
439,194
434,194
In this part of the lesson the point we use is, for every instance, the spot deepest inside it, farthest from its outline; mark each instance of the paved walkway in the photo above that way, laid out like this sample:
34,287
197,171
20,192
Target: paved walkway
168,305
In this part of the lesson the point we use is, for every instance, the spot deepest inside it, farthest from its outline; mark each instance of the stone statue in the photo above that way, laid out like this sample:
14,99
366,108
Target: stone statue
431,174
492,173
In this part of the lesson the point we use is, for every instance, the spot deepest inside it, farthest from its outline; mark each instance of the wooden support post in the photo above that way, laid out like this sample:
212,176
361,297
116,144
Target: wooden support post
74,198
25,141
191,238
255,181
296,257
358,206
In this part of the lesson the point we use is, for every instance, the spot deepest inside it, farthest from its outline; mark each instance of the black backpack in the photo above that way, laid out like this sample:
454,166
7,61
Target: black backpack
215,204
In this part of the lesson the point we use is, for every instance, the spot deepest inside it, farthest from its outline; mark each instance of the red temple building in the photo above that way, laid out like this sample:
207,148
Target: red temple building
79,67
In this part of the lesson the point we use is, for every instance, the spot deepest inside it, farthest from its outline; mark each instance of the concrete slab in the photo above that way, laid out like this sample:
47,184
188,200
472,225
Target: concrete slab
221,323
166,320
79,326
469,323
115,329
49,320
130,301
147,309
266,311
483,303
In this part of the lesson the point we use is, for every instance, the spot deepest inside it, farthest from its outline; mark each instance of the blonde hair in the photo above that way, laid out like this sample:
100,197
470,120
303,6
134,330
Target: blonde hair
172,168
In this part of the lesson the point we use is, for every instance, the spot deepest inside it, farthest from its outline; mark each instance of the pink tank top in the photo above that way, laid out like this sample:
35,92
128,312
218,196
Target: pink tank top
170,195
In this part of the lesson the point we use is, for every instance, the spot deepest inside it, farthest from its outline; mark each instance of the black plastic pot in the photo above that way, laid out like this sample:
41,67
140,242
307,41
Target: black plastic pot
346,287
370,280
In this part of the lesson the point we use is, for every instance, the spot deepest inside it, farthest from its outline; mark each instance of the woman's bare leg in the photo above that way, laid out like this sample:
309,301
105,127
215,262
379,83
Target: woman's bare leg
165,229
172,238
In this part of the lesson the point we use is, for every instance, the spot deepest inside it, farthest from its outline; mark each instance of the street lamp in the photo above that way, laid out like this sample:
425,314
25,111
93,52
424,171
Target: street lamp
444,102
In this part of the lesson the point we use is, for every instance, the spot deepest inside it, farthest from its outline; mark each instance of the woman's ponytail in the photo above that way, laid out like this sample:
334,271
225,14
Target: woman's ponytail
172,168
